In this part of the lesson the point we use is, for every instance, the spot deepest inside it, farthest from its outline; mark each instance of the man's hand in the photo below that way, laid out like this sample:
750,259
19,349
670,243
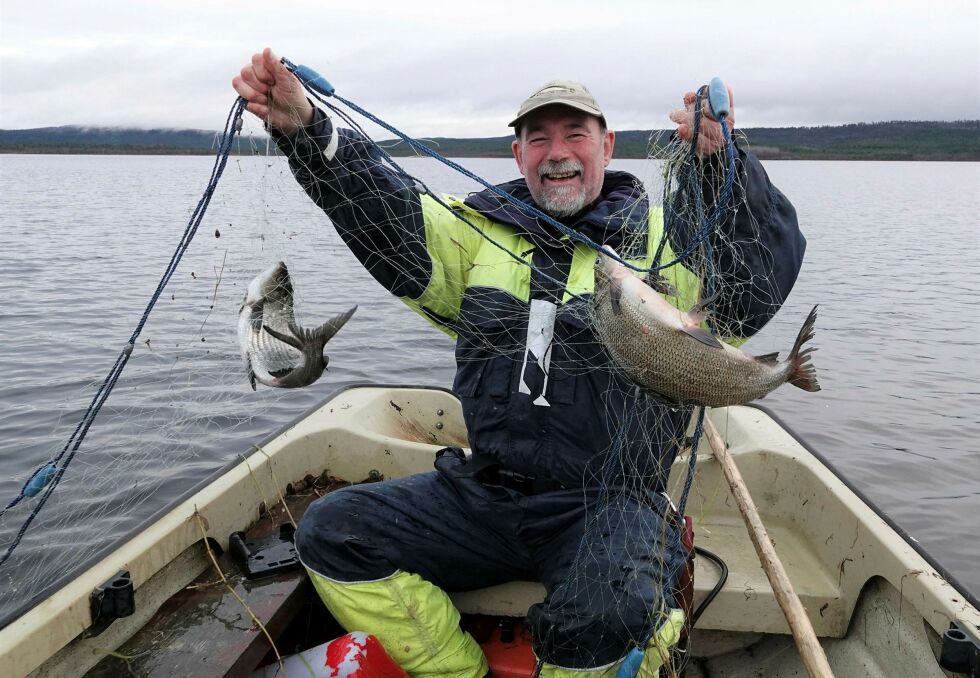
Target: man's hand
273,93
710,137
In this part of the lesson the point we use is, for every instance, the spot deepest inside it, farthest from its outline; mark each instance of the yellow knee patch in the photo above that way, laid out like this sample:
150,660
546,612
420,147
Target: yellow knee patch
656,654
413,619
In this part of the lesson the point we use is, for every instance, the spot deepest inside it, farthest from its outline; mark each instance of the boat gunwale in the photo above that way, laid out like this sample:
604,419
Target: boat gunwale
818,460
899,530
86,564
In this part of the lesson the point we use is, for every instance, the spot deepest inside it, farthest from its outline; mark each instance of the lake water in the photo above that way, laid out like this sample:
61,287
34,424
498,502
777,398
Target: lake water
892,260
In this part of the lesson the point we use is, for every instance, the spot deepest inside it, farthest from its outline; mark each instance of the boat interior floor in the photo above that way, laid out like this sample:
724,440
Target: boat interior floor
221,625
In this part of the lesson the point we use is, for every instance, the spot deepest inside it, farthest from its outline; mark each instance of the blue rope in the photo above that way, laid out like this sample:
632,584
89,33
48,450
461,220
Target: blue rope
64,458
400,170
692,463
321,90
321,94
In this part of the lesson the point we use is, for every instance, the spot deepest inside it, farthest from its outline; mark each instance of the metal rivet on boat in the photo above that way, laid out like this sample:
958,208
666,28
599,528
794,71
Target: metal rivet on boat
438,424
440,412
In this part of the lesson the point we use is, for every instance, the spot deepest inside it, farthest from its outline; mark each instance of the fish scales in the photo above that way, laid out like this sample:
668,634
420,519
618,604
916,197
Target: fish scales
276,350
663,350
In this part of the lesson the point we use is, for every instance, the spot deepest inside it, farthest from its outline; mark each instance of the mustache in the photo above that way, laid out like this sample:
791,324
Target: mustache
560,167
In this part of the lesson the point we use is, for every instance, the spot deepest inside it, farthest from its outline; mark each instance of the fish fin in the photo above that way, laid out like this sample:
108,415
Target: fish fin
657,397
700,310
768,358
250,372
615,296
660,284
284,338
703,336
804,374
326,331
303,336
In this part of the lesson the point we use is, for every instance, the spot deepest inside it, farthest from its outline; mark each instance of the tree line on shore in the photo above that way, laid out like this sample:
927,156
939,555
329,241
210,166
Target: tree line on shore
897,140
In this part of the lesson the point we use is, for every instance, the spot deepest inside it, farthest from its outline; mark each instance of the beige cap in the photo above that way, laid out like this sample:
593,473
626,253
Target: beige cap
564,92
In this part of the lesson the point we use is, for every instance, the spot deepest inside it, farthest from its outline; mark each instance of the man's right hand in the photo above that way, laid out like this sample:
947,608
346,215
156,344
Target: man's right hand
273,93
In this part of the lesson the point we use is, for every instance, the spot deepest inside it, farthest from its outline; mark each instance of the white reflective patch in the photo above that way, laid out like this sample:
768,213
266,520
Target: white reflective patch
540,332
331,150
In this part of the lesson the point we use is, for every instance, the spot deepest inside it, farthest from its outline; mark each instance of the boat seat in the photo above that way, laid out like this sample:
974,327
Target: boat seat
746,603
505,600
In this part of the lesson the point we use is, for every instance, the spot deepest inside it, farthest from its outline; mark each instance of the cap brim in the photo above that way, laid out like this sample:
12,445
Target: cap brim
577,105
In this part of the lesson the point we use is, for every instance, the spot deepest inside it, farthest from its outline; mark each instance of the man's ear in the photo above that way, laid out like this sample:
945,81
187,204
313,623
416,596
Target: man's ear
607,147
517,150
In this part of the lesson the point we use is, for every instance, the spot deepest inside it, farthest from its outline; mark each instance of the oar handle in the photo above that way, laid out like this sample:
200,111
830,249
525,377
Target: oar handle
806,641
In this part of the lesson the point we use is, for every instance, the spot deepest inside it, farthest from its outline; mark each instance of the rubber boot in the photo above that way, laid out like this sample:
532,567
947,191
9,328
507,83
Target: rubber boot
414,620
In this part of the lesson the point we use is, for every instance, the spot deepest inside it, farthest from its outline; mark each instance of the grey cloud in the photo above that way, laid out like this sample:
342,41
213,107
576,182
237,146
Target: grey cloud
442,75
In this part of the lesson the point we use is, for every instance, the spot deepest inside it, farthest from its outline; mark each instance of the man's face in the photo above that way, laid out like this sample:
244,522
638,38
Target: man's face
563,154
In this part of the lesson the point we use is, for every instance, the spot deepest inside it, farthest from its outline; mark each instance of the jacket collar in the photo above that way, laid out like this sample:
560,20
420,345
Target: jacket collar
620,210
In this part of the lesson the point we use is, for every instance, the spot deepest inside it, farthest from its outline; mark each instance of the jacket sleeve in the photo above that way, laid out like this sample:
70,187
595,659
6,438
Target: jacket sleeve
401,235
376,211
757,252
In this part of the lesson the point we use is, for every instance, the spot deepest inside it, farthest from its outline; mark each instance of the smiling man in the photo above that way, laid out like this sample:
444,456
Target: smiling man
563,147
539,394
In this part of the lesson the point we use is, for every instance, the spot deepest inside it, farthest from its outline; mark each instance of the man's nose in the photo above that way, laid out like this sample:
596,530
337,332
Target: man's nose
558,150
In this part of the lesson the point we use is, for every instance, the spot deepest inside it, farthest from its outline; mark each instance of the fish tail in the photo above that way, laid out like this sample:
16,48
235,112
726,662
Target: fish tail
802,372
326,331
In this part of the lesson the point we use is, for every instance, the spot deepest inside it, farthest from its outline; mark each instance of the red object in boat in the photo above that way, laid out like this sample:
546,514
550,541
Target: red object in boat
360,655
508,650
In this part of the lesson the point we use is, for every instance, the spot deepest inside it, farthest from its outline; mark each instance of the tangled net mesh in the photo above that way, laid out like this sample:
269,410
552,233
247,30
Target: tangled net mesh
186,387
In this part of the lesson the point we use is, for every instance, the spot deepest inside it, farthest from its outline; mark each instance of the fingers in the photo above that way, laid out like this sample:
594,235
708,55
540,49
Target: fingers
248,92
273,93
259,110
262,73
682,118
274,65
710,137
248,75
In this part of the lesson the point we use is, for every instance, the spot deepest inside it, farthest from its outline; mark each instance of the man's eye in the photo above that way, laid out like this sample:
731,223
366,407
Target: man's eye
537,141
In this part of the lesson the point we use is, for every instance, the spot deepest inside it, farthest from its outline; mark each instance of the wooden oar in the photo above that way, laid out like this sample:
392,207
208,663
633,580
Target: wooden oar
812,653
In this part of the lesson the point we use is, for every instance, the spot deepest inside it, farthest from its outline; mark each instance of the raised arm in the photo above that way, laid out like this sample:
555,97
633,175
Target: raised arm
382,215
759,250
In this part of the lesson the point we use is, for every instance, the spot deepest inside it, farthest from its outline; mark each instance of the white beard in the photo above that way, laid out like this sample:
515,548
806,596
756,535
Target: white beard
561,201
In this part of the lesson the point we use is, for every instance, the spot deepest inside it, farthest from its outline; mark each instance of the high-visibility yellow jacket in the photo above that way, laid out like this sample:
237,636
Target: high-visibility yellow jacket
539,393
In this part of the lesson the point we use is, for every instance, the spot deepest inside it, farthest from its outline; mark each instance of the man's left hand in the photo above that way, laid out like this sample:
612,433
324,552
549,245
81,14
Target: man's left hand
710,137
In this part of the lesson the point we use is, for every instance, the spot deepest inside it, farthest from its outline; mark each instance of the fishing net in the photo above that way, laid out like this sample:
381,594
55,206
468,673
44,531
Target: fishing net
182,410
185,386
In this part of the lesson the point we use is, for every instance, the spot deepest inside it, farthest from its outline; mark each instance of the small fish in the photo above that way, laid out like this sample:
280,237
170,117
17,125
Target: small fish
277,351
666,352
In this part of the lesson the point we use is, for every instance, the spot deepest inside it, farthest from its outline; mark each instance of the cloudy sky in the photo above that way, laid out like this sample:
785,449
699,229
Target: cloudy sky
461,68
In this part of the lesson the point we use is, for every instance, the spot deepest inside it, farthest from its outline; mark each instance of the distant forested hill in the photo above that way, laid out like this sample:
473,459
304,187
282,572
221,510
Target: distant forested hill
863,141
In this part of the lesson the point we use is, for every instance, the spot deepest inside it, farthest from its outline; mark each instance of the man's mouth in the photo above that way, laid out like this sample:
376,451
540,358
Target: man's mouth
561,177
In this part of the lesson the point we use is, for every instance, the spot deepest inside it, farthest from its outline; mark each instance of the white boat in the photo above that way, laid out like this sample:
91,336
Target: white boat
878,605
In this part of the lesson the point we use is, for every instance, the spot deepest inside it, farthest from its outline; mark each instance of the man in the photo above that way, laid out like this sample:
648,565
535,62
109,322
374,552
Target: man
541,401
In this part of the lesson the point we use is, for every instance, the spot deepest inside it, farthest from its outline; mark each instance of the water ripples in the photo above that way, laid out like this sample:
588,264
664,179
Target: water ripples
86,238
